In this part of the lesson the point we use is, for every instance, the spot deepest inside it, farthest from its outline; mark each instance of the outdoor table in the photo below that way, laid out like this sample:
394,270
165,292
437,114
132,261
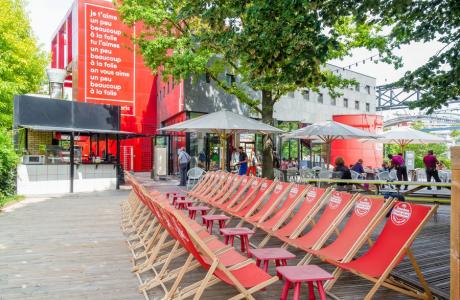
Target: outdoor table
209,220
183,204
264,255
176,197
193,209
306,273
243,232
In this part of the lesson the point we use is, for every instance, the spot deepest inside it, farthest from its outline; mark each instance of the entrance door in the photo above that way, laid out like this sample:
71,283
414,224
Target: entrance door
128,158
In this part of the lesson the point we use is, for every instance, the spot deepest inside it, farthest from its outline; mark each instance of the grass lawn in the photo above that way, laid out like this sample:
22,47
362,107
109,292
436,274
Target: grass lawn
8,199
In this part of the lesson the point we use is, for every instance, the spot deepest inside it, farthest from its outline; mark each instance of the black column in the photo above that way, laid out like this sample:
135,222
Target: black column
118,163
97,145
106,147
71,158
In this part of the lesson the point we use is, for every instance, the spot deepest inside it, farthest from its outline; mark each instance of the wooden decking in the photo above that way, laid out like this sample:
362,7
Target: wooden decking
68,247
71,247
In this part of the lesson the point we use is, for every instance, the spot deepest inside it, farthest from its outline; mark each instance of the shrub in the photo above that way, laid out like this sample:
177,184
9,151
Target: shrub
8,162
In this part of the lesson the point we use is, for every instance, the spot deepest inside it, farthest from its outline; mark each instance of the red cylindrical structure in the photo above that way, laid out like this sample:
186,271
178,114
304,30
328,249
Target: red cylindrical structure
352,150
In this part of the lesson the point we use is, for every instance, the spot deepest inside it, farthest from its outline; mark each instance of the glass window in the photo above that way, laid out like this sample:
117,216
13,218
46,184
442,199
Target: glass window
320,98
368,107
368,89
357,87
291,94
208,77
333,101
345,102
230,79
356,104
306,95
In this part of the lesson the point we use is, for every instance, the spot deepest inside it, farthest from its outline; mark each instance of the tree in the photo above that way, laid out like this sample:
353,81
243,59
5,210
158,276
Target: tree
22,63
424,21
272,47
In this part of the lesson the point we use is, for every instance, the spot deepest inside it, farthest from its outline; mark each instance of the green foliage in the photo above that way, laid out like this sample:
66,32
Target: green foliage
424,21
8,161
22,63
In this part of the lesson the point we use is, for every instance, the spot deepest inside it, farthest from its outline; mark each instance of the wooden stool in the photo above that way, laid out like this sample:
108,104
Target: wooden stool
183,204
306,273
209,221
177,197
264,255
243,232
193,209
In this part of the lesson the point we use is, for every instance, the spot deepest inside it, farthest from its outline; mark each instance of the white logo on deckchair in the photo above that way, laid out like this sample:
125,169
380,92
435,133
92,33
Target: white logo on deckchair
401,213
294,191
311,196
278,188
245,180
363,206
222,176
264,186
255,183
335,201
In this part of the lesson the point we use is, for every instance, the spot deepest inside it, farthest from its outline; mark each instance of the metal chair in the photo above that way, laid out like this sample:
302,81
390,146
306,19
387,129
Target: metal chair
278,175
193,176
421,174
355,175
325,174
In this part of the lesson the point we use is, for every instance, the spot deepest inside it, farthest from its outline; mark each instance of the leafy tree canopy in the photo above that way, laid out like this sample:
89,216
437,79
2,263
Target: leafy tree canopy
270,46
22,63
424,21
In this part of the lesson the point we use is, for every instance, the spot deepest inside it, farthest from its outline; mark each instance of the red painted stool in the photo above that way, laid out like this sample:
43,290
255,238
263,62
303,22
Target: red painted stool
193,209
243,232
209,221
307,273
177,197
169,194
183,204
264,255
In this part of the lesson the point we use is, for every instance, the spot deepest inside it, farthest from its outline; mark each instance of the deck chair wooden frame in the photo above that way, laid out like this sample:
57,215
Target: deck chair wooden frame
384,279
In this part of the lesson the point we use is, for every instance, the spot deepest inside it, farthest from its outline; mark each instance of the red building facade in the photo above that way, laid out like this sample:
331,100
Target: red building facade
94,45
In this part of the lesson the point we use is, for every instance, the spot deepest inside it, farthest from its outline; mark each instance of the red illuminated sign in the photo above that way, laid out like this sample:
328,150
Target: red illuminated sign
110,56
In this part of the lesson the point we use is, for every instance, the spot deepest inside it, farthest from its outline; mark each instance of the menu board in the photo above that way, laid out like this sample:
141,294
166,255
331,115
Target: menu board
109,58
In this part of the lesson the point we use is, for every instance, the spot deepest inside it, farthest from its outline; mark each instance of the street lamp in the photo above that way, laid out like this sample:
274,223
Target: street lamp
56,78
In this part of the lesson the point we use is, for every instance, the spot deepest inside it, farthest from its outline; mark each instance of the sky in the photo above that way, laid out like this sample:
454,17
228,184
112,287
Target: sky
45,16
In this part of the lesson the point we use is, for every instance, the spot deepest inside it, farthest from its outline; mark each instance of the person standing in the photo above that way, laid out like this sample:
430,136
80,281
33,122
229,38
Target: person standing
243,161
184,159
252,164
430,161
397,162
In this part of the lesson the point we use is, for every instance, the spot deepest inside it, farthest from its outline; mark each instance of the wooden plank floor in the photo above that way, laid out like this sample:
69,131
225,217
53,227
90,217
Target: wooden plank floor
67,247
431,249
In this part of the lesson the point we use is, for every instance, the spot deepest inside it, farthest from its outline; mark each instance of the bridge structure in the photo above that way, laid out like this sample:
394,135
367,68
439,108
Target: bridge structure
390,97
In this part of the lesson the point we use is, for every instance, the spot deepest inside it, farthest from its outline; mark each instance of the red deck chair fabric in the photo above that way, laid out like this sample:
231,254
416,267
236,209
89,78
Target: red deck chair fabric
218,189
365,212
403,223
248,276
337,207
213,186
279,191
228,192
266,186
224,189
292,197
233,203
233,198
314,196
211,176
248,197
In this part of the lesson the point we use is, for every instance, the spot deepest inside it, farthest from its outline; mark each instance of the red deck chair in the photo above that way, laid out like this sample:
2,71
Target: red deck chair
366,215
213,187
338,205
245,184
241,210
304,215
402,227
203,184
247,278
264,209
227,190
220,190
236,203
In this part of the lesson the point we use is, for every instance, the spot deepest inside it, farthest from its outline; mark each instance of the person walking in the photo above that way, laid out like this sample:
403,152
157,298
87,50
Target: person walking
397,162
252,163
430,161
184,159
243,161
